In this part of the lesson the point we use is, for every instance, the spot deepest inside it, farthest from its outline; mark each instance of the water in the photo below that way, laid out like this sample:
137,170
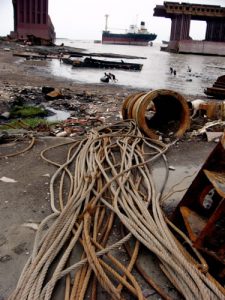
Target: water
59,115
155,73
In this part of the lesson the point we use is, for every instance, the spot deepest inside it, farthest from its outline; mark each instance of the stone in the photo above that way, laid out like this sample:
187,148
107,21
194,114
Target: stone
5,115
56,94
47,89
5,258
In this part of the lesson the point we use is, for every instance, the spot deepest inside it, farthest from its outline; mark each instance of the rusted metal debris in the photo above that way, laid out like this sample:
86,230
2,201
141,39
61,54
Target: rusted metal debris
218,88
158,112
201,213
214,110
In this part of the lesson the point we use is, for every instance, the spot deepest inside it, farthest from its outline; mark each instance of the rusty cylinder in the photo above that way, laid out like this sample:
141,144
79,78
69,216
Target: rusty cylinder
162,110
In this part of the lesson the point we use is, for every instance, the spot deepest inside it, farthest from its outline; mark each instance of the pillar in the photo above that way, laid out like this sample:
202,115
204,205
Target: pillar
215,30
180,27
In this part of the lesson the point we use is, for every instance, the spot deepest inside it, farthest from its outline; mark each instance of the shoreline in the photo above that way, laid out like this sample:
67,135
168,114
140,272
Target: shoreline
19,73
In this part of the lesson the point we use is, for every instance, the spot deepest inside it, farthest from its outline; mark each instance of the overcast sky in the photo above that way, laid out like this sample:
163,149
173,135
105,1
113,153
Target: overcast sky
85,19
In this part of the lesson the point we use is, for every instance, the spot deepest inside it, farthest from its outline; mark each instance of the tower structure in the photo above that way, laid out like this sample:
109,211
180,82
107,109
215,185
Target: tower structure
31,19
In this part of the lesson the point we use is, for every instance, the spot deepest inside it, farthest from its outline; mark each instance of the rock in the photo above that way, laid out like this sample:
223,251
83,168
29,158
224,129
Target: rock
172,168
3,136
62,134
5,258
56,94
47,89
213,136
5,115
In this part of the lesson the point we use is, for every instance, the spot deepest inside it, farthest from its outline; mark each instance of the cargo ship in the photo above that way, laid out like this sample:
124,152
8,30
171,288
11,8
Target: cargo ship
134,36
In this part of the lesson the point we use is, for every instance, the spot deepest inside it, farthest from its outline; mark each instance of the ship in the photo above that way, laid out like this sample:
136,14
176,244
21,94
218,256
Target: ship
134,36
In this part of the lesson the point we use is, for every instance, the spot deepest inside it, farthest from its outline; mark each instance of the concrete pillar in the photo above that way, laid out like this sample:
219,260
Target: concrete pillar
215,30
41,12
180,28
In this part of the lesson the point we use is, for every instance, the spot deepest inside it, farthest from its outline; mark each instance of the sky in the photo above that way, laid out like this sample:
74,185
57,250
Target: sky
85,19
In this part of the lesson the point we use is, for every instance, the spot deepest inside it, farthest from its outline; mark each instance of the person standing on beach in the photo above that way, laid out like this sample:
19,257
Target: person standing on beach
113,77
60,56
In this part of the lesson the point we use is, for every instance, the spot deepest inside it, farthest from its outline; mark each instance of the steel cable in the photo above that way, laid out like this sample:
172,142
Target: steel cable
104,178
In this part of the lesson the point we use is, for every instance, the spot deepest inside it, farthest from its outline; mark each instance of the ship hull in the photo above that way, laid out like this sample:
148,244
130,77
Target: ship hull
128,39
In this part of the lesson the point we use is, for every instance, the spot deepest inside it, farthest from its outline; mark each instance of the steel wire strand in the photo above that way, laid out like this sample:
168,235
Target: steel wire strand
195,273
97,223
118,264
202,265
76,281
145,240
63,261
45,259
94,262
31,144
172,247
88,165
131,264
135,290
127,272
144,275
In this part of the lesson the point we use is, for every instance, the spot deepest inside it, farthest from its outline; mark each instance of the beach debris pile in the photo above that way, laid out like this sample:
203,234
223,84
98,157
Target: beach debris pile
82,104
76,126
161,114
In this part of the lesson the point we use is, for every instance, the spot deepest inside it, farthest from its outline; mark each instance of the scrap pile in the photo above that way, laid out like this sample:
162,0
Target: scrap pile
106,180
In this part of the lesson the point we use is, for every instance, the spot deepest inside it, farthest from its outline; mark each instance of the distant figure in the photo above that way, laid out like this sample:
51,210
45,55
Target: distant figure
189,69
107,75
171,70
60,56
62,45
113,77
122,61
174,72
106,78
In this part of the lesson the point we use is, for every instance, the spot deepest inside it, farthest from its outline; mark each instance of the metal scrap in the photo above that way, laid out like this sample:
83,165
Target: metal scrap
201,213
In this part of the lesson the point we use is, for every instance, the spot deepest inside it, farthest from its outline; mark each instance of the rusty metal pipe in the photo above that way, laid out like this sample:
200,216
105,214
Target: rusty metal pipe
170,112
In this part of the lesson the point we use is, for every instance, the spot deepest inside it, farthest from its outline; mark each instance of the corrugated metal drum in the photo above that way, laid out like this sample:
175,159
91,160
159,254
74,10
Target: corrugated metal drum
169,112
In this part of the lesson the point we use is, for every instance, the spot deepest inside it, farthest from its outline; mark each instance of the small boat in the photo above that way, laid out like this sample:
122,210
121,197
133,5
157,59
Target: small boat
106,64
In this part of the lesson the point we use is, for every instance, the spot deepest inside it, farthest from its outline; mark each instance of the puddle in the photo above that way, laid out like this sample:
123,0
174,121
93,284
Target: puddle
59,115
